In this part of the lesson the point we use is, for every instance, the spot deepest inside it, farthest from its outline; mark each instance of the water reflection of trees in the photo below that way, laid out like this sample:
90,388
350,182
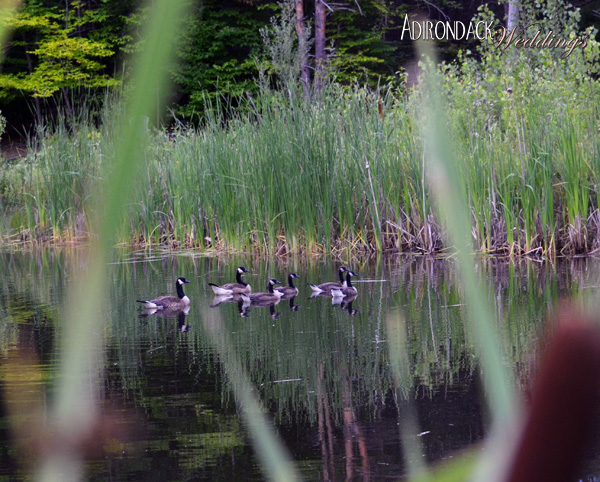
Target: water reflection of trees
424,289
316,367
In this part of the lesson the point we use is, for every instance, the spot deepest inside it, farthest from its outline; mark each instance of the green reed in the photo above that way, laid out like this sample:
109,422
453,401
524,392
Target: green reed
292,175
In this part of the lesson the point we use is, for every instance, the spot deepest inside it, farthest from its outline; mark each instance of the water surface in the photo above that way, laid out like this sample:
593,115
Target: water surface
321,370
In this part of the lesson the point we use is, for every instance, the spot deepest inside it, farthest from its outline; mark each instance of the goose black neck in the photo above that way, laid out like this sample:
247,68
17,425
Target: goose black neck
180,292
348,278
291,281
270,288
341,273
238,278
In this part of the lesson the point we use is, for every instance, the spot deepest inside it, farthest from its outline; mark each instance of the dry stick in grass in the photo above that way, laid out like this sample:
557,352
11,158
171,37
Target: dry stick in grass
368,167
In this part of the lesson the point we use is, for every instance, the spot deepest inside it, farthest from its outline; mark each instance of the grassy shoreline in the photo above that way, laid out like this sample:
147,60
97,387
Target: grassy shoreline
341,175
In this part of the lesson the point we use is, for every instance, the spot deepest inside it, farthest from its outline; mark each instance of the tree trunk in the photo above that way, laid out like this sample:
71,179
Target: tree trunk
301,30
320,39
513,15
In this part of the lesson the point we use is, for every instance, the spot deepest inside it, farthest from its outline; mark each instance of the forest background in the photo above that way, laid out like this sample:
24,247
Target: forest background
64,53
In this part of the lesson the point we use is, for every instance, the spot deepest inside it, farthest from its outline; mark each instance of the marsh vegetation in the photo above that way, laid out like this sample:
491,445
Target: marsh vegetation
338,169
342,174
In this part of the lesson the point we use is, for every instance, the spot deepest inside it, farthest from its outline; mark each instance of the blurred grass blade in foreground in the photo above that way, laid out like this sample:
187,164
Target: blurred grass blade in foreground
448,190
276,462
74,412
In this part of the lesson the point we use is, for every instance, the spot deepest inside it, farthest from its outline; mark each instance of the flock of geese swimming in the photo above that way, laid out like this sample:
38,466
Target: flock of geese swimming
241,291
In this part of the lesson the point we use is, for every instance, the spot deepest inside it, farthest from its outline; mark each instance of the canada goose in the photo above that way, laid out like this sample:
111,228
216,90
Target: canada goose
290,289
233,288
327,287
347,289
169,302
259,298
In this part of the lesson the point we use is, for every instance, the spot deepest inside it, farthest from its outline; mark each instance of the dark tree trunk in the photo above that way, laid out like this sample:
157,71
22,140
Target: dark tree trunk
68,105
320,39
513,15
301,29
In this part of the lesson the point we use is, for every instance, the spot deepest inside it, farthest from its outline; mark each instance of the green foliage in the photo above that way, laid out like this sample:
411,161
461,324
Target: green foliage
57,56
519,109
63,62
362,51
283,49
526,141
291,175
218,54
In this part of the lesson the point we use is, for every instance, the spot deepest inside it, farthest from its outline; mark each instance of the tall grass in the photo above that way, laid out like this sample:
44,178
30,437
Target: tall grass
343,173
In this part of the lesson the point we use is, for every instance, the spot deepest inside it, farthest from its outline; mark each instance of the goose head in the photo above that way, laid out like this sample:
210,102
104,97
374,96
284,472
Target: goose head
273,282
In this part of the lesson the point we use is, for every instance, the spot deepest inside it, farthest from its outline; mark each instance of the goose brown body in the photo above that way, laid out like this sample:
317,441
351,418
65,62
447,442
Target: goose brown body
180,301
331,285
290,289
239,287
270,296
347,289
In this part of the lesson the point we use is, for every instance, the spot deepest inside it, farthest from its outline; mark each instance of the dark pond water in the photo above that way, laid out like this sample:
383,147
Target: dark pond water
322,371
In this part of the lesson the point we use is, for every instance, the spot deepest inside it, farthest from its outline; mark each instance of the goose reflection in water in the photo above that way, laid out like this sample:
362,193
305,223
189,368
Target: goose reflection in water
345,303
294,307
217,300
244,307
180,314
347,306
244,303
